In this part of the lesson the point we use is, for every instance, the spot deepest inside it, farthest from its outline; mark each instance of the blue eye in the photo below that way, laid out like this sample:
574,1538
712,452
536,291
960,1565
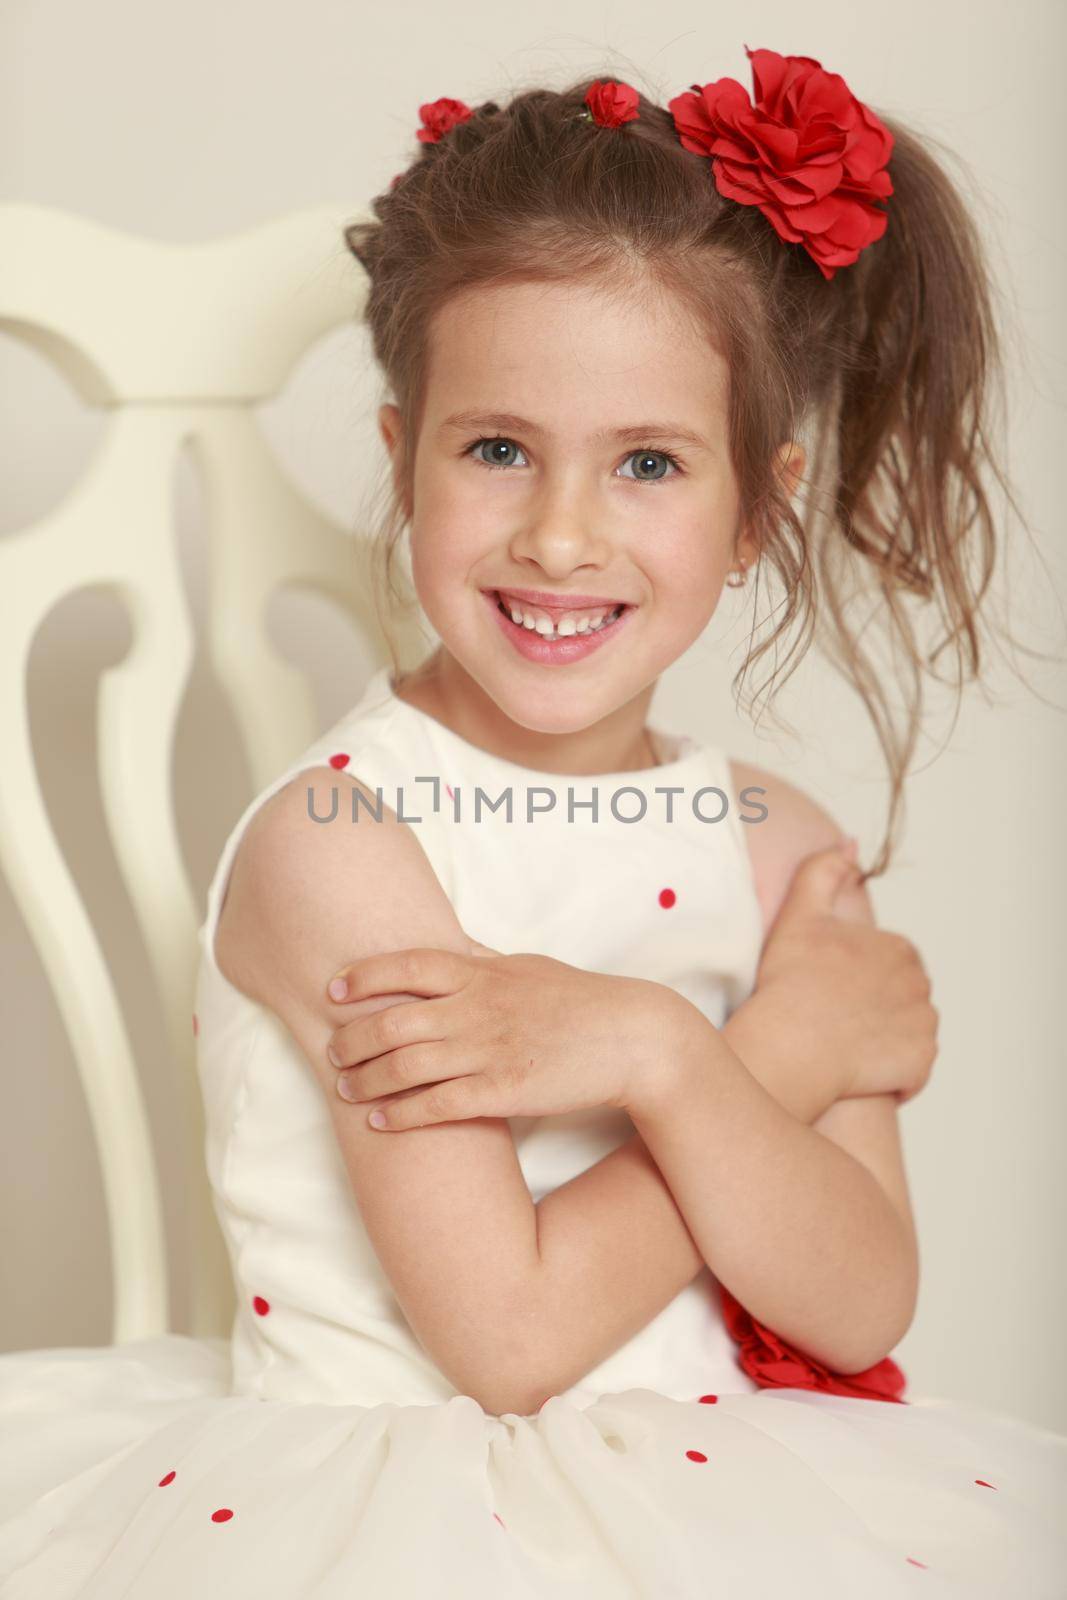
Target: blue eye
651,466
648,466
501,452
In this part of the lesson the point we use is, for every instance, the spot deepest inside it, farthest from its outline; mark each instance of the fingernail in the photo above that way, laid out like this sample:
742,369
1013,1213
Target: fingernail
338,989
332,1055
377,1119
346,1089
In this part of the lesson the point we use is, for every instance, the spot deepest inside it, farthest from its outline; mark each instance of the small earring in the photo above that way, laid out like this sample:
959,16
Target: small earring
737,577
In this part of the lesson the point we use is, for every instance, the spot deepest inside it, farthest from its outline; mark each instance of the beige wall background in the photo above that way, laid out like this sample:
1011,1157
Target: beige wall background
185,122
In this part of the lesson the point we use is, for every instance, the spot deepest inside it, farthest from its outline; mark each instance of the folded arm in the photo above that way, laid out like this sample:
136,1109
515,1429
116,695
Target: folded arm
846,1185
621,1227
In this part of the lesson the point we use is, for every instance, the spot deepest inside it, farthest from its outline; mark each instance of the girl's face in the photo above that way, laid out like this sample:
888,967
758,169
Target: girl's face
573,443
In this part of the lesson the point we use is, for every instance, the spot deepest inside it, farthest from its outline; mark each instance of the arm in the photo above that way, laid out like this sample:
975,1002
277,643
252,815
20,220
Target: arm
799,1231
446,1207
625,1196
618,1234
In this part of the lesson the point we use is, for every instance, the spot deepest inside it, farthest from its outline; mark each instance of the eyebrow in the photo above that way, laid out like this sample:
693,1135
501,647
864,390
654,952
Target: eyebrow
641,432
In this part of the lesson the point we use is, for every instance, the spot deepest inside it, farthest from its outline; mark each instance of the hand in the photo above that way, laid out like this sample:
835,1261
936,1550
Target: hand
501,1036
853,999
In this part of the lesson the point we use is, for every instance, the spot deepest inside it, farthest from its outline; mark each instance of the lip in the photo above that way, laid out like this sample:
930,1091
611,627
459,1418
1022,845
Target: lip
557,604
555,653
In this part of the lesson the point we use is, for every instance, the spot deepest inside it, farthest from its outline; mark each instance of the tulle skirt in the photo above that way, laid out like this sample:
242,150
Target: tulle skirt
134,1473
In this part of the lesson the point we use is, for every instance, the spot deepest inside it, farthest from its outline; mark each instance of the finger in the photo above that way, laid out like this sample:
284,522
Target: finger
445,1102
400,1070
421,970
410,1022
814,886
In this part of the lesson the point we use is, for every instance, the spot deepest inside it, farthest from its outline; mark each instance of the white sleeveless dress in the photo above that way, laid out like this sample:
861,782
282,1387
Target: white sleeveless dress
320,1454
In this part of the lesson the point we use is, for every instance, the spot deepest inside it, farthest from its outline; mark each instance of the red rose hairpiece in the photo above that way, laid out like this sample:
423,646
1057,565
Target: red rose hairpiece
441,116
611,104
806,152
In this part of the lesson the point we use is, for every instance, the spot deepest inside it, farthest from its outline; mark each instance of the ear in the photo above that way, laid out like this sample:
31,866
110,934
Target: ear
791,464
390,426
792,461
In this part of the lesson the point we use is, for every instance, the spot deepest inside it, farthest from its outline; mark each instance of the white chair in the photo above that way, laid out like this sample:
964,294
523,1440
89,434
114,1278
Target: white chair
179,342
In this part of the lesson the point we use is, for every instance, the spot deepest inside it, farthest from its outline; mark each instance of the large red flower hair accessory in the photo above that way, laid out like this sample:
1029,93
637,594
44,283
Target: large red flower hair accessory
805,151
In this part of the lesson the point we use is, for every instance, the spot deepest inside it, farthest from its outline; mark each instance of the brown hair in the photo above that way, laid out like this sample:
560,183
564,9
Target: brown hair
894,361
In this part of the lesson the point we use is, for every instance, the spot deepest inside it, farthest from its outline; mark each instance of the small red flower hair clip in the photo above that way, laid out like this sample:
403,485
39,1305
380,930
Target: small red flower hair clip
775,1365
806,152
439,117
611,104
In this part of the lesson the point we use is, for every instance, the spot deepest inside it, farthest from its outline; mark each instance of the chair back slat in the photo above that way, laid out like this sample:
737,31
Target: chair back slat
179,343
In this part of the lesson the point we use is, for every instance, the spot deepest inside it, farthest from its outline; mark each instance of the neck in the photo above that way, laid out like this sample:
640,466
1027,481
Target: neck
619,742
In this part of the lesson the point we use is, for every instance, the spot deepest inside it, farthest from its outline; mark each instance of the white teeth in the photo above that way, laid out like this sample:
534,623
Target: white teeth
574,622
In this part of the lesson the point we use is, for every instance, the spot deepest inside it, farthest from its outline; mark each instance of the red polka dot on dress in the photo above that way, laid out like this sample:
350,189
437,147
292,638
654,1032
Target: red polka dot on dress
667,897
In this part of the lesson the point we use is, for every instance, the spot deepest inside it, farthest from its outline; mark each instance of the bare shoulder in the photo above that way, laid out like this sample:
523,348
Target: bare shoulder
794,826
307,877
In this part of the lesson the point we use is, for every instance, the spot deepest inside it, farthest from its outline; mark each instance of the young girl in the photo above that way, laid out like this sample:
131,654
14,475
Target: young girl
605,1307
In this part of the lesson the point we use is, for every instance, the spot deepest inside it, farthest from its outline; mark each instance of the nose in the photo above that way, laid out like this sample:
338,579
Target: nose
562,534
